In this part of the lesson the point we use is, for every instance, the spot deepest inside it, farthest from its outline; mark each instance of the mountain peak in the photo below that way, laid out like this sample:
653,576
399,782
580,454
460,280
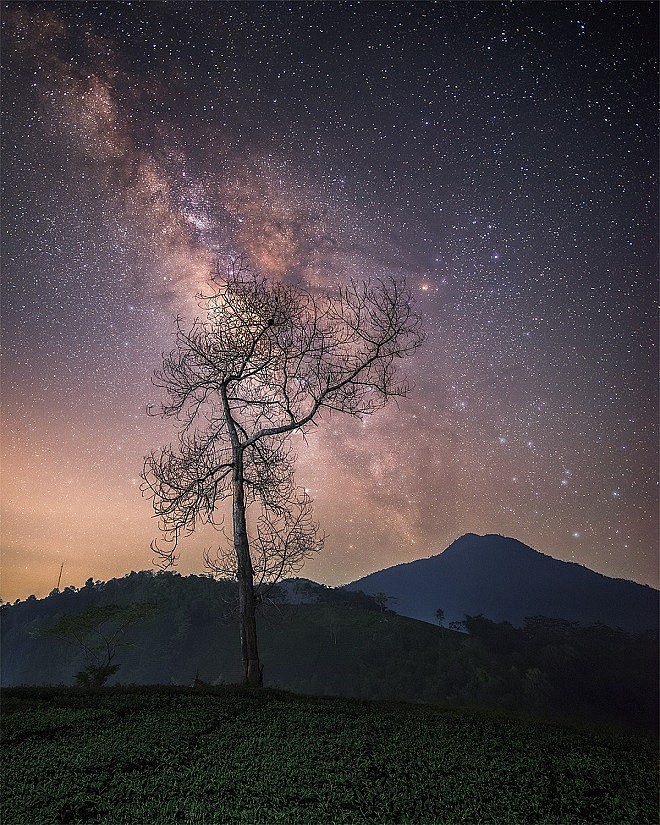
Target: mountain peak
506,580
490,541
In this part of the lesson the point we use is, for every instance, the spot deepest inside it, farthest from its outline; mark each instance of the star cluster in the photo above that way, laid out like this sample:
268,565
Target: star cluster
500,156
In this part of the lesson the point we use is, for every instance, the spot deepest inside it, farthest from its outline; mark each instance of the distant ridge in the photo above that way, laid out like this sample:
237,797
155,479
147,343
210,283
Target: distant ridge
505,580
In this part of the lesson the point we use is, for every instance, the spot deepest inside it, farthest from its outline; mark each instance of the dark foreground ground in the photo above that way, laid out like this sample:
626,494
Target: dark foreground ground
228,755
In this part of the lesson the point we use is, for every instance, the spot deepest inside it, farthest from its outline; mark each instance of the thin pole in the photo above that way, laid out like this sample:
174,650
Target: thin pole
60,576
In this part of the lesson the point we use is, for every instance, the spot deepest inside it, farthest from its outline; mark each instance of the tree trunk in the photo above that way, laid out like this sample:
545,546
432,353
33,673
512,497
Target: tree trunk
246,603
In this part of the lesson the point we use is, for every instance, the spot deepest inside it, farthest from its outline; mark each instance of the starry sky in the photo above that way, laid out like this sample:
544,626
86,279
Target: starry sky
500,156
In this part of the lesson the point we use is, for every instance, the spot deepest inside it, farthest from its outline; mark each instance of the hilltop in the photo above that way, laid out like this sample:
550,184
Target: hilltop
505,580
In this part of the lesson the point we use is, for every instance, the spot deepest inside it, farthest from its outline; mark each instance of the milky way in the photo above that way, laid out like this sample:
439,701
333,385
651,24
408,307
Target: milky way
501,157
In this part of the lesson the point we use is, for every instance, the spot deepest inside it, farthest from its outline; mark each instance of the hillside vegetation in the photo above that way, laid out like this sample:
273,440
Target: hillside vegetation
337,643
230,755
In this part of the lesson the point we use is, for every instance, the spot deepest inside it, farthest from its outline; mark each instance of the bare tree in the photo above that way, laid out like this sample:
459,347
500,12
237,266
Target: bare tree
283,537
98,633
267,361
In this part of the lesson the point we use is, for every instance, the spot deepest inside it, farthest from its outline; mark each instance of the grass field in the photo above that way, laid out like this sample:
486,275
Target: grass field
228,755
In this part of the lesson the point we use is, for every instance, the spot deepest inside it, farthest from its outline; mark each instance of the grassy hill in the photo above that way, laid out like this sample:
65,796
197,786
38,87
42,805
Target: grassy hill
229,755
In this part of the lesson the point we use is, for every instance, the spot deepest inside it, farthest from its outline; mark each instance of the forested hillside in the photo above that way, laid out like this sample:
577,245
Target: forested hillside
334,642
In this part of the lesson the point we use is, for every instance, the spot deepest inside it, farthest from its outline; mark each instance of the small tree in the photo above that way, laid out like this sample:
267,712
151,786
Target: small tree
267,361
381,599
440,615
98,633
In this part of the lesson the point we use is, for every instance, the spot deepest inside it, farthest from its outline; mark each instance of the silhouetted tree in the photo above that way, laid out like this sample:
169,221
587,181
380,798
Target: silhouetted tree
440,615
381,600
98,633
267,361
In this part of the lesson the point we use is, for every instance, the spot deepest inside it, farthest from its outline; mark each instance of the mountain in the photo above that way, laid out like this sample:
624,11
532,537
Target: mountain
505,580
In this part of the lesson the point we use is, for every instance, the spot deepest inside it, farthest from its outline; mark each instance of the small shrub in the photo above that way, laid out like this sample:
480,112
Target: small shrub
95,676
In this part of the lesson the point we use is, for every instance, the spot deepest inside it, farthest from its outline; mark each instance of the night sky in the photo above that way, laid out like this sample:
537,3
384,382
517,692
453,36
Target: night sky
502,157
